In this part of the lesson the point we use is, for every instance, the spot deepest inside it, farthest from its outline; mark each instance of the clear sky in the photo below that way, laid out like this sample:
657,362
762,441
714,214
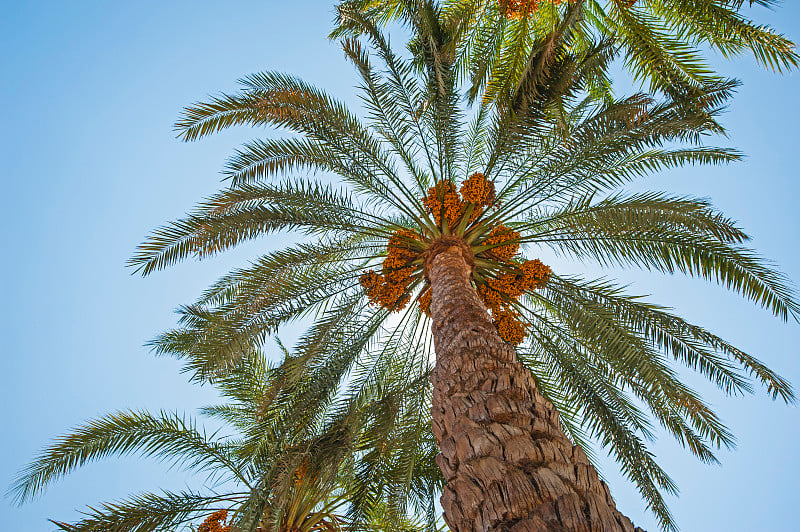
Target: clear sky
90,165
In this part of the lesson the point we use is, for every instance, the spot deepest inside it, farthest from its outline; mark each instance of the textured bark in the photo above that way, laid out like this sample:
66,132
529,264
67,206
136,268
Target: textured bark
508,464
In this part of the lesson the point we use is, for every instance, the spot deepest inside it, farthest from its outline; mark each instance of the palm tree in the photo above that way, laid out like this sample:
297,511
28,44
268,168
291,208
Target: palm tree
497,41
282,467
430,203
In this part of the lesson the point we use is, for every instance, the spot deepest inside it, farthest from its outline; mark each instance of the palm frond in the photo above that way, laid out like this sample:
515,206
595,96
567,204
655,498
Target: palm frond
165,436
252,210
148,512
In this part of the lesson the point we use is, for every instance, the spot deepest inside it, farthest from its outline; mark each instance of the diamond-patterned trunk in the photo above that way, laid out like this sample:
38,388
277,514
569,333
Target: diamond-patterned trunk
508,464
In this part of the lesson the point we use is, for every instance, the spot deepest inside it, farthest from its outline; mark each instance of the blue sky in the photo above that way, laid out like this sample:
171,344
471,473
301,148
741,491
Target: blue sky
91,165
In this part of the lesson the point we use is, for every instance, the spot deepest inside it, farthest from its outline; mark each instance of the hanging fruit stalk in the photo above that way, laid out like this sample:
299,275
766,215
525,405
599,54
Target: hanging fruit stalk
515,9
500,280
215,522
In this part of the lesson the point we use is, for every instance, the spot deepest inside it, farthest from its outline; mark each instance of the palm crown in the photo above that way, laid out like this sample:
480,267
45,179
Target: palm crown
540,169
285,461
498,41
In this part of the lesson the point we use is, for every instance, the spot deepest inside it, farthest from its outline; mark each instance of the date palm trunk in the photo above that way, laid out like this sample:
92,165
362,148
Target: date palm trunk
508,464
